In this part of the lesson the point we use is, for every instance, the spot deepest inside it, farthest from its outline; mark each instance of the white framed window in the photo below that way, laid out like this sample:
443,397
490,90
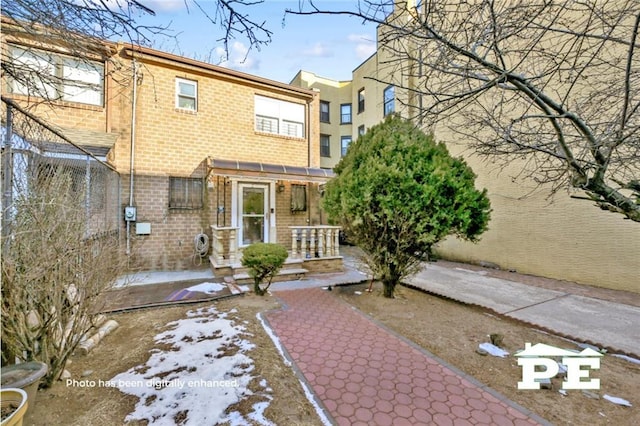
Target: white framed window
82,82
186,94
279,117
55,77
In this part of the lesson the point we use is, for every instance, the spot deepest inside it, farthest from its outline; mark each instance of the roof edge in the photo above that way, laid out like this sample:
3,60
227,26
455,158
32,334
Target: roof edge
133,51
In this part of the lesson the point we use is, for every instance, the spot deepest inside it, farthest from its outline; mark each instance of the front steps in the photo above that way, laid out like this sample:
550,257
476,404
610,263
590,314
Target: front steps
291,270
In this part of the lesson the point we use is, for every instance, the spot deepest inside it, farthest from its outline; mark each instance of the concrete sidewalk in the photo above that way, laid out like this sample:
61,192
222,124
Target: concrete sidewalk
604,323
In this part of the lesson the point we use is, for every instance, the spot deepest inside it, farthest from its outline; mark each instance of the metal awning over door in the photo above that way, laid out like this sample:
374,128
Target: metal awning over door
254,170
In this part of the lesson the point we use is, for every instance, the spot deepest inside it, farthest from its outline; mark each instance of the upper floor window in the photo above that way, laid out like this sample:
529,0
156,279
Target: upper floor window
185,193
186,94
345,114
324,112
345,141
389,97
325,146
361,130
56,77
360,100
279,117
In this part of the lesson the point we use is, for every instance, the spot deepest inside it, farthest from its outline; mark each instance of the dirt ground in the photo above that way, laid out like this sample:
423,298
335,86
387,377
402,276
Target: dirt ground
129,346
453,331
447,329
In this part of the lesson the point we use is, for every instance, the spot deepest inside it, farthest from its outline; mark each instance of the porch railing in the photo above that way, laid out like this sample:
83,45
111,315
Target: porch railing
315,241
224,247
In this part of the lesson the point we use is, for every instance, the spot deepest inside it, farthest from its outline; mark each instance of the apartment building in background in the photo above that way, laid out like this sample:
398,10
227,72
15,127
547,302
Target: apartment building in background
560,238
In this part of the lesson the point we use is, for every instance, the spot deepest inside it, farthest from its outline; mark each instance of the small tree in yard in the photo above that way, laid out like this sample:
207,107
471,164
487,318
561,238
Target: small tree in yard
397,193
264,260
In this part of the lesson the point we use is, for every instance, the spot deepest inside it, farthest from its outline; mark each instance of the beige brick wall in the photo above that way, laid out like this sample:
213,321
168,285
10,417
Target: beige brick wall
559,238
174,142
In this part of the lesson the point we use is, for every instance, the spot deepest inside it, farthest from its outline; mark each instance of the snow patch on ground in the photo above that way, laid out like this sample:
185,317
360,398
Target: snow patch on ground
208,288
201,370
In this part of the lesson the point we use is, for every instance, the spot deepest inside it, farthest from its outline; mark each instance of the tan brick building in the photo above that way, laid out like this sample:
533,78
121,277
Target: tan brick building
200,149
561,238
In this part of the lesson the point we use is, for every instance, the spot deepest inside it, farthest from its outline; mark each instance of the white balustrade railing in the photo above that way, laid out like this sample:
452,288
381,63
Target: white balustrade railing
315,241
224,247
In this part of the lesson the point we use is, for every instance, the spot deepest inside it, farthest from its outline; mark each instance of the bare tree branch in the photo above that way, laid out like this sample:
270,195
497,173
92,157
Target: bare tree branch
557,82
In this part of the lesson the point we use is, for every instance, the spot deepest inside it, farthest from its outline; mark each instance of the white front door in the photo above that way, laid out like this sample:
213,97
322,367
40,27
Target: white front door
253,220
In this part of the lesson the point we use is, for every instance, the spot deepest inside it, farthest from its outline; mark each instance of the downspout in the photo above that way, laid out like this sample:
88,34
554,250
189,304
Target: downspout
308,132
132,151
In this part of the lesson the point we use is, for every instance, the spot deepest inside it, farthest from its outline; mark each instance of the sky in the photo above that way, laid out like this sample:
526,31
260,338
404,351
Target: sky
330,46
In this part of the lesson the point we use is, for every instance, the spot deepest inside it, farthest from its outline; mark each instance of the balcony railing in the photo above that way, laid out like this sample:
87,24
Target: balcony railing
309,242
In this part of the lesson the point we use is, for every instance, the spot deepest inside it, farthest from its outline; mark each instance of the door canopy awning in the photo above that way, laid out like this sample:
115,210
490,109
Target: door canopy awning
254,170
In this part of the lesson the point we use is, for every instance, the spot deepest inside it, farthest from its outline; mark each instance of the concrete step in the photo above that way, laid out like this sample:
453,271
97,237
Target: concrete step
288,274
288,264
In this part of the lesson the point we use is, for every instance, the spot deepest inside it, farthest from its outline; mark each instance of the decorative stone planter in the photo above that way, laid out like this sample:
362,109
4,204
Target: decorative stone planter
25,376
14,406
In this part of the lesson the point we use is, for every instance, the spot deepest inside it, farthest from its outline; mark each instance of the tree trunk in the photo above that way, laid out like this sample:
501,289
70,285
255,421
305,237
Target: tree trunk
256,288
388,288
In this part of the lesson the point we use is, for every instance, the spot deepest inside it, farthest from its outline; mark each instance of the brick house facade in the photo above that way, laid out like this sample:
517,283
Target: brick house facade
200,149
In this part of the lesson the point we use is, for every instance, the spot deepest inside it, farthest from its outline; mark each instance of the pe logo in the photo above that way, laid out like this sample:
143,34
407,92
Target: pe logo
538,362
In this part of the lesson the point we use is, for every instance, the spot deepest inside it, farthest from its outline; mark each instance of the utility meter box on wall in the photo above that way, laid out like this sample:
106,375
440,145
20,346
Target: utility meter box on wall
143,228
130,214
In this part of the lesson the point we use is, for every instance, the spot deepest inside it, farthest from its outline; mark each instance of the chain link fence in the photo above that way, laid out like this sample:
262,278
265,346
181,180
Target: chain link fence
36,154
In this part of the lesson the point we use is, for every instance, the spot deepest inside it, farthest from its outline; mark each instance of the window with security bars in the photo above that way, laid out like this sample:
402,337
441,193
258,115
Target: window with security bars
185,193
291,128
266,124
279,117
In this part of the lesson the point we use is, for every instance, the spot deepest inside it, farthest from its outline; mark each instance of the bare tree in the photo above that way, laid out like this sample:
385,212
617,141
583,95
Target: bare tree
80,27
554,83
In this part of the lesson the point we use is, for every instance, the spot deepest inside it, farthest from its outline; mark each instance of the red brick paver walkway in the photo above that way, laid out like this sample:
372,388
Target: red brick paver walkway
365,375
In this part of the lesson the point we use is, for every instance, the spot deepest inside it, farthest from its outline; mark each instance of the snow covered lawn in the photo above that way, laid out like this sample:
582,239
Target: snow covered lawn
197,373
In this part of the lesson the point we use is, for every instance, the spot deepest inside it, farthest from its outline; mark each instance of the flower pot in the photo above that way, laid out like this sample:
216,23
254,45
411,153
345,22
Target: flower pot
25,376
14,406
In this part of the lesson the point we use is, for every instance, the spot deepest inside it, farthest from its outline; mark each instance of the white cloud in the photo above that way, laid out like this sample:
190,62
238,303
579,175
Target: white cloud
237,59
167,5
365,46
318,50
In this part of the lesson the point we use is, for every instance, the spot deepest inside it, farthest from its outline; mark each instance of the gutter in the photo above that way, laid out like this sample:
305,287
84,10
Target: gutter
153,55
